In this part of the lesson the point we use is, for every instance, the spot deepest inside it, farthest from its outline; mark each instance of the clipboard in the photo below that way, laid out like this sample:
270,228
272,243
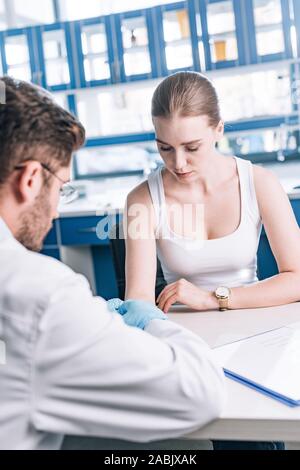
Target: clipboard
268,363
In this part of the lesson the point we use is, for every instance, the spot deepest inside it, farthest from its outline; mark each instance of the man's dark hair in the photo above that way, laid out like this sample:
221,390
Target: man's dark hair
34,127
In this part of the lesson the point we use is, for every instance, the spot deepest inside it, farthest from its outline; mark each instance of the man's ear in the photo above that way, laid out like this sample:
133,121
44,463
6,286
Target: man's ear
29,182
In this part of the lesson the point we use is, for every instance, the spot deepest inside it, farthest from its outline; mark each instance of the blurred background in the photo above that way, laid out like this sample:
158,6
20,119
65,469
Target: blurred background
102,59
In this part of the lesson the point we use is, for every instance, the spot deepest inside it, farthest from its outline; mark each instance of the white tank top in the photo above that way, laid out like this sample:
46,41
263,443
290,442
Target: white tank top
229,261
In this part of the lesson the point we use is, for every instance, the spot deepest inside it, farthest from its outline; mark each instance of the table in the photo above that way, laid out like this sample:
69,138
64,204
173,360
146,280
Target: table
248,414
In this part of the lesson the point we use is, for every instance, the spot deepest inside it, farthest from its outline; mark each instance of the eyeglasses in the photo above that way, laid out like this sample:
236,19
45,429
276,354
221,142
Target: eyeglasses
67,192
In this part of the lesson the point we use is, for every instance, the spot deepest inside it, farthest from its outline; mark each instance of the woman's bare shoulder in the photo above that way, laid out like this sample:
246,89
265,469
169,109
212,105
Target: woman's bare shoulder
139,194
268,188
264,179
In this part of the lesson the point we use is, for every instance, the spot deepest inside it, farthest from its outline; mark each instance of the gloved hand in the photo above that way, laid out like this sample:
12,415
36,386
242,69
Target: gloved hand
139,313
114,304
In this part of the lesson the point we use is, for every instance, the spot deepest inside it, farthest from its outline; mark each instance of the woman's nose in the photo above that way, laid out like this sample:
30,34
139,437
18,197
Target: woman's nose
180,162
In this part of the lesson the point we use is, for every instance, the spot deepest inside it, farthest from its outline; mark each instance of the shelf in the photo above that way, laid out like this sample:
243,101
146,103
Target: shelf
179,42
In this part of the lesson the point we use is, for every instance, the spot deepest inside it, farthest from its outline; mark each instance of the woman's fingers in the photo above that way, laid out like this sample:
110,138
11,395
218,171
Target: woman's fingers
165,291
164,298
171,300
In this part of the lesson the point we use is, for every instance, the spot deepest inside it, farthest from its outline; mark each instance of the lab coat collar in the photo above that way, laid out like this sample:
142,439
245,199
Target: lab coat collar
4,231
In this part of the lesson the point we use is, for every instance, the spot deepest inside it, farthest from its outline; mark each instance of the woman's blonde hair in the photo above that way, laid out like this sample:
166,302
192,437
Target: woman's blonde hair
186,94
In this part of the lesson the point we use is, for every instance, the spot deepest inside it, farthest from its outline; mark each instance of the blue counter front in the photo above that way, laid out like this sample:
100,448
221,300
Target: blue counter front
79,239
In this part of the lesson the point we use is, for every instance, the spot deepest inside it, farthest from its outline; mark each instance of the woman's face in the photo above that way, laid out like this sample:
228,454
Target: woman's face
186,144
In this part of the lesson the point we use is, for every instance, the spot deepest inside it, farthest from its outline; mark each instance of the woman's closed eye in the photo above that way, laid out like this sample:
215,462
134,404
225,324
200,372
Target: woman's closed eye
187,149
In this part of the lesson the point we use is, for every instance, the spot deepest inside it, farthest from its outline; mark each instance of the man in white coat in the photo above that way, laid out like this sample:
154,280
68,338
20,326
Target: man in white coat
69,365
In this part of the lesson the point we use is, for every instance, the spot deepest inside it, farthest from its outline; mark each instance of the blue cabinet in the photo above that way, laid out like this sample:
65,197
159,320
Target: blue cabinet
269,23
89,233
105,277
153,42
221,37
92,231
266,262
51,242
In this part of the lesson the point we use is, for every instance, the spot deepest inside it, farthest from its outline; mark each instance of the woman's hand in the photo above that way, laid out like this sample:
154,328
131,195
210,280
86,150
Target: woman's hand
188,294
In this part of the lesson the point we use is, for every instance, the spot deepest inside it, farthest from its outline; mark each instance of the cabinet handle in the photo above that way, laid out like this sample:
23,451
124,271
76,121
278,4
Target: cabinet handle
87,230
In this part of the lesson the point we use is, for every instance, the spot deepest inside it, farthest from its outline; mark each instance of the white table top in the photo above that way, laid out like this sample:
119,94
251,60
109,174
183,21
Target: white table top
248,414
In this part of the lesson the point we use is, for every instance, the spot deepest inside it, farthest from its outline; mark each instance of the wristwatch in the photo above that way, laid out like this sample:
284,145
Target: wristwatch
222,294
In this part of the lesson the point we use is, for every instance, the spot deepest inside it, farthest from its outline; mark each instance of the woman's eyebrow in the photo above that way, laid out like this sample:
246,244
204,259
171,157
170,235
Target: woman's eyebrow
184,143
161,141
192,142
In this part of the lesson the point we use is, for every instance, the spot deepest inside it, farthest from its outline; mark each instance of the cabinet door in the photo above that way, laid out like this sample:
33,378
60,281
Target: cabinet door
271,29
220,34
2,54
296,27
18,61
95,51
51,246
55,48
175,29
134,59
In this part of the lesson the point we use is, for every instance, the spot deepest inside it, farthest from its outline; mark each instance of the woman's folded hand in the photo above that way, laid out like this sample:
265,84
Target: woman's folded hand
188,294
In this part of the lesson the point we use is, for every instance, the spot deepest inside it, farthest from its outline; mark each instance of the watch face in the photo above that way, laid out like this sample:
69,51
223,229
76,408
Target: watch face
222,292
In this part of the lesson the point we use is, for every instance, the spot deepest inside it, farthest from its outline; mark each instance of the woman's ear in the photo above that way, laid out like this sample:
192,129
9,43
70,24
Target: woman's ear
219,131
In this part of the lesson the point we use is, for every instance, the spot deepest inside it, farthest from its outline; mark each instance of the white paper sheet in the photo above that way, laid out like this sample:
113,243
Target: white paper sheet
270,360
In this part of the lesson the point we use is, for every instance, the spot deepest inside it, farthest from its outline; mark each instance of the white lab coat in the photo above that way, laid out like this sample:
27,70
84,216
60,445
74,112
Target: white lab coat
72,367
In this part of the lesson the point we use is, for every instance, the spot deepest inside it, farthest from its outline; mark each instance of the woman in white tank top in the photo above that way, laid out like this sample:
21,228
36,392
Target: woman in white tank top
202,213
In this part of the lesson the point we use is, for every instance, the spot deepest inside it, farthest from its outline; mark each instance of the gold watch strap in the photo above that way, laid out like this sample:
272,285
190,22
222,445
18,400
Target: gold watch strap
223,304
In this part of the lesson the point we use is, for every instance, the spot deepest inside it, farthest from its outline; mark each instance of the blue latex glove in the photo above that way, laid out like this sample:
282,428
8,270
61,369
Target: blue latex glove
114,304
139,313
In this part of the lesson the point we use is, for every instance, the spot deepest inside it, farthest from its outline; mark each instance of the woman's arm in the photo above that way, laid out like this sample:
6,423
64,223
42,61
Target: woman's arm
139,230
284,237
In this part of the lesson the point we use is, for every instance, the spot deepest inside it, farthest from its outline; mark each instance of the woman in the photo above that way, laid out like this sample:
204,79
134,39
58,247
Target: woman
202,213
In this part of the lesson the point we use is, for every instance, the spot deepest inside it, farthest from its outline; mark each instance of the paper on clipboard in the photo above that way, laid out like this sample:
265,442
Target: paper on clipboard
268,362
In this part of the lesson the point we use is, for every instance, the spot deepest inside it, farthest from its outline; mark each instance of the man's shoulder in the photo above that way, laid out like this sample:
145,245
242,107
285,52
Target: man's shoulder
32,278
41,265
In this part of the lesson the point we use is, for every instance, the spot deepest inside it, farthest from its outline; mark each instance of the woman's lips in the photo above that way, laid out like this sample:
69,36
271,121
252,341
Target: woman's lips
184,175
